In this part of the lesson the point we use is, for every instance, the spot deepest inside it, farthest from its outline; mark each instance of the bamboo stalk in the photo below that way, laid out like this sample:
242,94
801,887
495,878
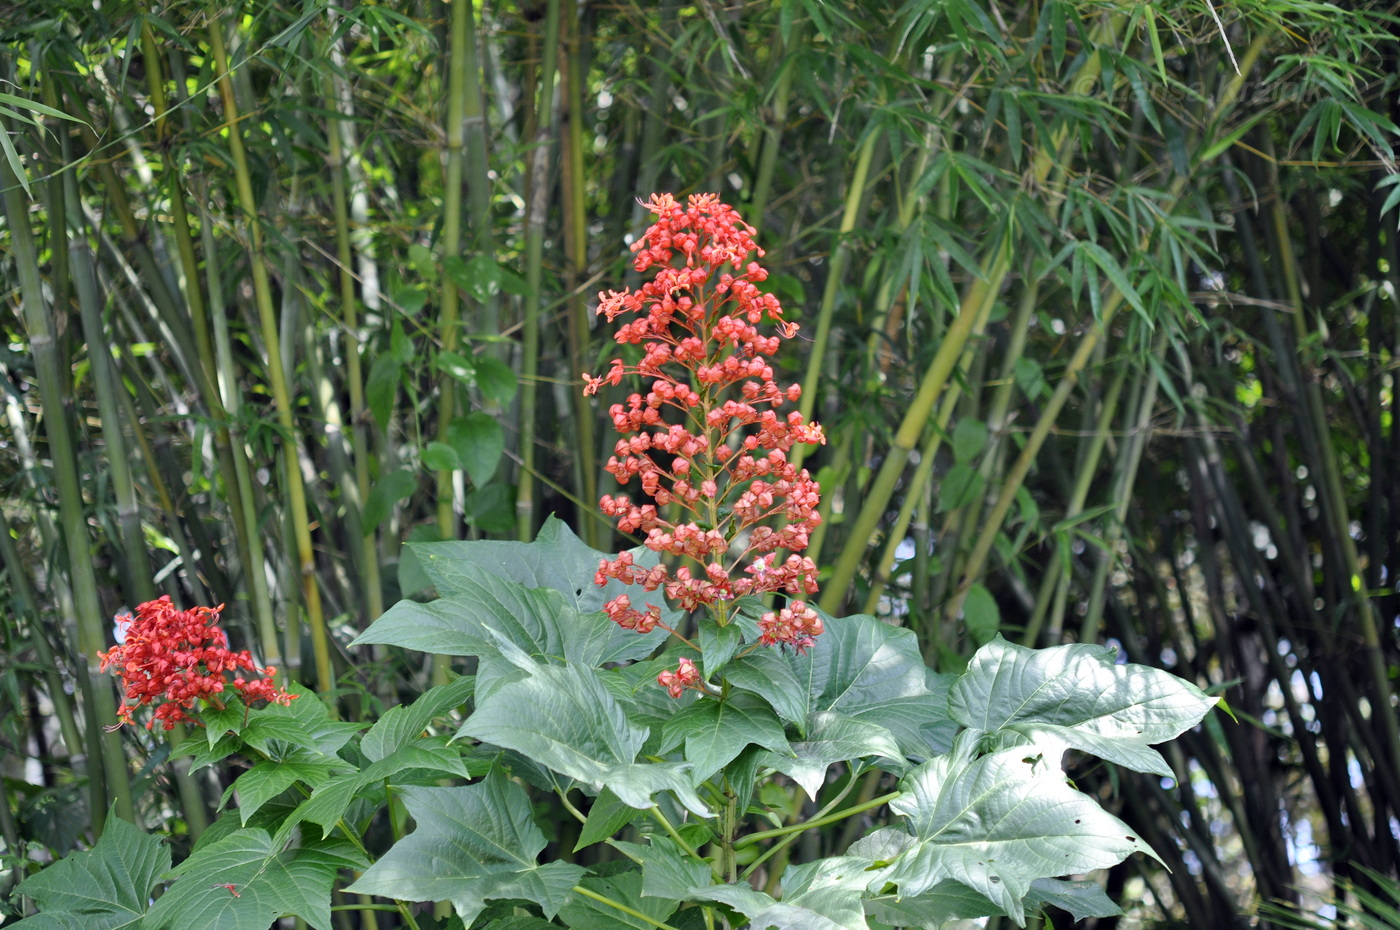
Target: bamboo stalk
49,370
364,544
1110,305
573,181
536,213
817,361
282,397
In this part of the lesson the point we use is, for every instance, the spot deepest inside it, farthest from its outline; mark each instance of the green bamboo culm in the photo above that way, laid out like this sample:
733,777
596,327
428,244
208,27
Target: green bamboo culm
52,376
281,392
536,213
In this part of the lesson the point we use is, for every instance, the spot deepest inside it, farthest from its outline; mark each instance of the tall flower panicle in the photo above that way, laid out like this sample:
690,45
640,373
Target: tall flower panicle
705,438
178,657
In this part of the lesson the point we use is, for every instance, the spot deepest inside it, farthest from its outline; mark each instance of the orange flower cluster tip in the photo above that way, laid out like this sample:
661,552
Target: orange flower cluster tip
705,437
177,657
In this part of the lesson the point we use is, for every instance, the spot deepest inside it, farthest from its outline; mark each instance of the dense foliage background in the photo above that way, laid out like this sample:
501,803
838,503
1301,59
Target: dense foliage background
1099,311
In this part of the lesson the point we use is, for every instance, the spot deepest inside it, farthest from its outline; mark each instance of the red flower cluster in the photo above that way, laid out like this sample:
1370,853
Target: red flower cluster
179,656
721,456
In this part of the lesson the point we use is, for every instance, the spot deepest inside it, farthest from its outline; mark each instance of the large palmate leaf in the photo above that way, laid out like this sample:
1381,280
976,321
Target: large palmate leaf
557,560
822,895
471,844
861,669
1077,694
105,888
833,738
998,822
564,718
667,872
539,621
950,900
245,881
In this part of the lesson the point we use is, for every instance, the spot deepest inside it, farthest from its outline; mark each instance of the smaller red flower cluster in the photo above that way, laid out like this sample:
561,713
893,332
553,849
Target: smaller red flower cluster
685,676
179,656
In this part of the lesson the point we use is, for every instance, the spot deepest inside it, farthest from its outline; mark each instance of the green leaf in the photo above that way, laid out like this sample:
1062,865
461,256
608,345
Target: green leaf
383,495
667,871
1110,267
718,644
948,900
381,386
980,614
439,456
605,817
863,669
479,442
491,509
835,738
495,379
471,844
520,923
457,366
1030,378
269,880
221,721
563,718
304,723
1081,899
202,755
822,895
402,725
969,439
483,607
267,780
329,802
717,731
105,888
557,559
999,821
585,913
960,487
1077,694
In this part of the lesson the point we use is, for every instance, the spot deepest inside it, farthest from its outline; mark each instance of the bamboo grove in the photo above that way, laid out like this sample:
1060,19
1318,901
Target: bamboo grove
1098,303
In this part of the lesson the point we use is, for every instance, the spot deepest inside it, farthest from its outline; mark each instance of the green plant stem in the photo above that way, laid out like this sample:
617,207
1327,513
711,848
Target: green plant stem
976,305
282,397
776,123
29,609
816,362
618,905
358,842
52,378
792,837
574,183
537,212
364,544
448,332
674,834
751,838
